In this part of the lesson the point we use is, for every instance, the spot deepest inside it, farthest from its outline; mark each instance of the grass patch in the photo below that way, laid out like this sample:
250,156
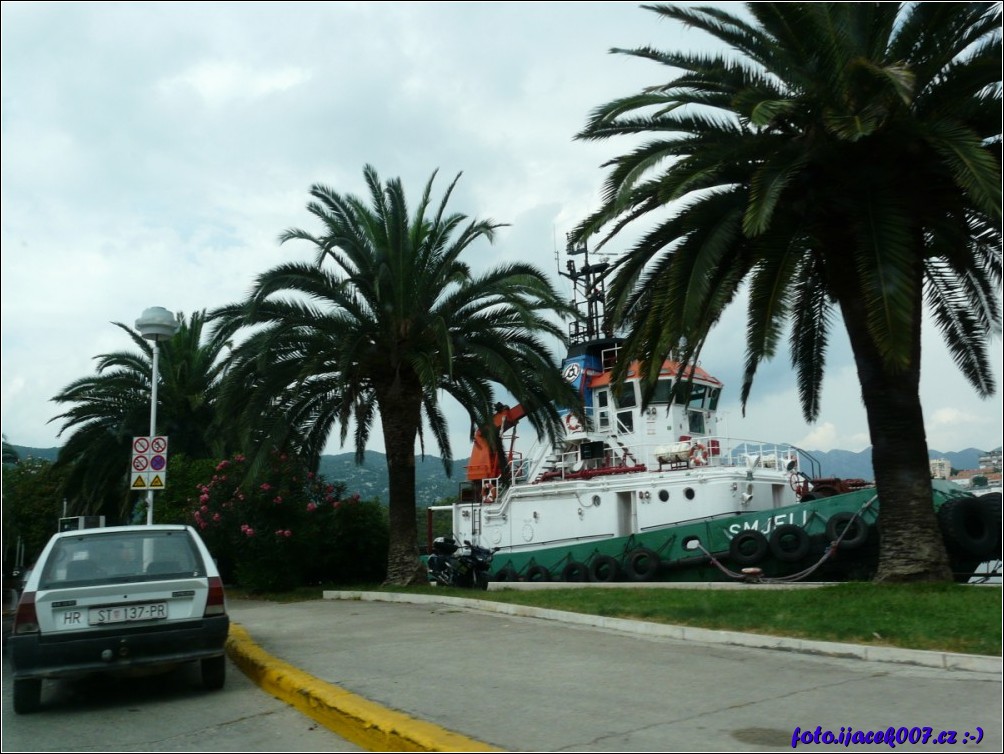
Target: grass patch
940,617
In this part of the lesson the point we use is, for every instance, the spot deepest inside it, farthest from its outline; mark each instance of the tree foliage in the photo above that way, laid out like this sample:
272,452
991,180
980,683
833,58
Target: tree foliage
107,409
385,322
840,161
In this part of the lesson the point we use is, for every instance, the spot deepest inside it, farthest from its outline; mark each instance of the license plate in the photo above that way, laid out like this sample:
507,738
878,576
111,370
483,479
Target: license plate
126,613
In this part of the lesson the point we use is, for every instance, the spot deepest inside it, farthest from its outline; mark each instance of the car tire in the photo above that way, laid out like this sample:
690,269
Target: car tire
27,695
214,672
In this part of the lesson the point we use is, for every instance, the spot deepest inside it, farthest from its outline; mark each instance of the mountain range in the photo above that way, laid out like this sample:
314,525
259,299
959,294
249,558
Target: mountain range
432,485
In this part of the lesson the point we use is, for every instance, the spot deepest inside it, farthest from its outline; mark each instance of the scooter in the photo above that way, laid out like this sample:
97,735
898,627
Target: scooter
466,567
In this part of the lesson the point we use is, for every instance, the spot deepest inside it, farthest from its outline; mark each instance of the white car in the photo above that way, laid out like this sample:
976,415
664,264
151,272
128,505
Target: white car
114,600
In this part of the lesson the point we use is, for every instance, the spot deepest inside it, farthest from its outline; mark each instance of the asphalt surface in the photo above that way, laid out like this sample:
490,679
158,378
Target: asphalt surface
399,672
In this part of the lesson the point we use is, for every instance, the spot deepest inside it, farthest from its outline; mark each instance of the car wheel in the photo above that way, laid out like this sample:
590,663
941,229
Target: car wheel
27,695
214,672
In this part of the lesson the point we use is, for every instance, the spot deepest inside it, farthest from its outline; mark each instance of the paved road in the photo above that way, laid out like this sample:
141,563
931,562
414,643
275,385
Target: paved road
528,684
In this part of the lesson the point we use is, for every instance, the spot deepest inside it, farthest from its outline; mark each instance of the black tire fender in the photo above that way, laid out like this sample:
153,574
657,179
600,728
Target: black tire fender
506,573
575,571
641,564
537,573
852,527
972,525
789,543
748,547
604,569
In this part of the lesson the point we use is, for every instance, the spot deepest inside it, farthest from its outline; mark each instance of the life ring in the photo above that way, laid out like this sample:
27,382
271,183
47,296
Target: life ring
537,573
853,529
698,454
972,525
604,569
789,543
748,547
641,564
572,423
575,571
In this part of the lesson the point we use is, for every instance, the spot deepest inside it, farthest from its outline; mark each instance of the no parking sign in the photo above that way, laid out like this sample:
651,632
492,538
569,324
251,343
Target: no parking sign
149,463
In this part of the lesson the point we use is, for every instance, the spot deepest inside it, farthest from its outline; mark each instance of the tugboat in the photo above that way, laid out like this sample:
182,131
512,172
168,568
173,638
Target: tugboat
633,493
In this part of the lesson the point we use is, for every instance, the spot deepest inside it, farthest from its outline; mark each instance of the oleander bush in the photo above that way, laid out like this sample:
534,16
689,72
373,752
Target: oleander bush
285,527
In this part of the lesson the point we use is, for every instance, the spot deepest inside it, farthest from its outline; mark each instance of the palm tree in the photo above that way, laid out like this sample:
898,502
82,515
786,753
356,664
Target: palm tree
386,320
112,406
841,158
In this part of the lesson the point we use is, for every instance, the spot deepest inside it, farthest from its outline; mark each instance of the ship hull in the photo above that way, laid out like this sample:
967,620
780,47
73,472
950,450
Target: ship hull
829,539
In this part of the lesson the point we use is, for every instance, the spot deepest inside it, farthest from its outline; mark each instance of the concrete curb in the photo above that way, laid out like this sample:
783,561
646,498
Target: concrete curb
355,719
943,660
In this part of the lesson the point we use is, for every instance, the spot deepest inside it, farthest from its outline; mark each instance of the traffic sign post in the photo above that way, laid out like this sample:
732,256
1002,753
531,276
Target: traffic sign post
149,463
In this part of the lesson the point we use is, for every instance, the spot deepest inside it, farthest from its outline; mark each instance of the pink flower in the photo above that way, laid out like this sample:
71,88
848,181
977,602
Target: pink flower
310,475
337,504
288,533
277,499
311,507
222,465
249,532
203,524
204,497
216,517
204,509
265,486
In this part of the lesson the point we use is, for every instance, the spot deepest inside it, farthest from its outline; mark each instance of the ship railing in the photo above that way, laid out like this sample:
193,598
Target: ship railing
688,452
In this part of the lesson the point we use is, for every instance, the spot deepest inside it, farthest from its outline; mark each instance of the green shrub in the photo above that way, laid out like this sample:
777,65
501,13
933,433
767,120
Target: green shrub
287,527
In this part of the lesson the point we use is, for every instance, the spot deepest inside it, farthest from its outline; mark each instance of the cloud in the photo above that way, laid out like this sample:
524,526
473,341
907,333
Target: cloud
218,83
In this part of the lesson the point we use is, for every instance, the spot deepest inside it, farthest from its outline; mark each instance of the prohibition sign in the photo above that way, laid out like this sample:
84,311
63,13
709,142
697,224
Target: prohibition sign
158,444
157,463
139,463
140,444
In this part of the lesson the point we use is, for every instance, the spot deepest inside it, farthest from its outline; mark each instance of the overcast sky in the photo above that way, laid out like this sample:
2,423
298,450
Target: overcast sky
152,153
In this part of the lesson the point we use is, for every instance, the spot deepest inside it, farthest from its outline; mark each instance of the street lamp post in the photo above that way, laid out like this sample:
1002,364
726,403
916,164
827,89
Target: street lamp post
155,324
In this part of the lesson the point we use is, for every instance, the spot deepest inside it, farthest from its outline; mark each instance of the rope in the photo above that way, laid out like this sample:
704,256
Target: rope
757,579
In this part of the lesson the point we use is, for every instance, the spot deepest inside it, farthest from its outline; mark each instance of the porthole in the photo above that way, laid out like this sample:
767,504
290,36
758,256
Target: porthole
689,493
596,500
664,495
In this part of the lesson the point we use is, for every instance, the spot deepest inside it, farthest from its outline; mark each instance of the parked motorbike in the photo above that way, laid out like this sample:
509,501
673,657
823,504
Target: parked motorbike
467,566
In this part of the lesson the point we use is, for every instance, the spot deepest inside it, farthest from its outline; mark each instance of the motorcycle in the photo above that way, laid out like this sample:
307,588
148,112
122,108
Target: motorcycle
453,565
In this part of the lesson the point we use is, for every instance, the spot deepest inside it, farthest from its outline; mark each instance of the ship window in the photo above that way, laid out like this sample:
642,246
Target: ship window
626,396
713,398
663,391
691,395
602,409
625,421
697,394
695,422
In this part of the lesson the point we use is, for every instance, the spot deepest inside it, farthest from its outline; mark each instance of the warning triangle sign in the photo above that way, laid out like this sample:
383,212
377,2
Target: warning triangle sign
156,481
139,482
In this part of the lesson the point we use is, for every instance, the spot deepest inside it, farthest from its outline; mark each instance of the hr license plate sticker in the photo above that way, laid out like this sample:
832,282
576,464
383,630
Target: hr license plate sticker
126,613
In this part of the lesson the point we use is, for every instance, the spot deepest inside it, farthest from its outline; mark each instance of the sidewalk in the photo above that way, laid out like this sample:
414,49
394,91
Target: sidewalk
423,672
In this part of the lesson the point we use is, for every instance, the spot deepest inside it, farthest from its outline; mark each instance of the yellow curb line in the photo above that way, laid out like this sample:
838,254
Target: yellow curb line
355,719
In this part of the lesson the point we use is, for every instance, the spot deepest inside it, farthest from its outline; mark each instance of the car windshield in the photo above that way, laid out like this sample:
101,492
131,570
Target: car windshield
119,557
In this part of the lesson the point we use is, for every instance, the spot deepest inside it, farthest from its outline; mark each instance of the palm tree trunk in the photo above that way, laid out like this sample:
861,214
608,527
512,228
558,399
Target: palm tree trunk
399,417
911,546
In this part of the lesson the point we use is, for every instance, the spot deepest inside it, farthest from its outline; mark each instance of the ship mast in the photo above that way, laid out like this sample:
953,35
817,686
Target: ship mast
588,294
